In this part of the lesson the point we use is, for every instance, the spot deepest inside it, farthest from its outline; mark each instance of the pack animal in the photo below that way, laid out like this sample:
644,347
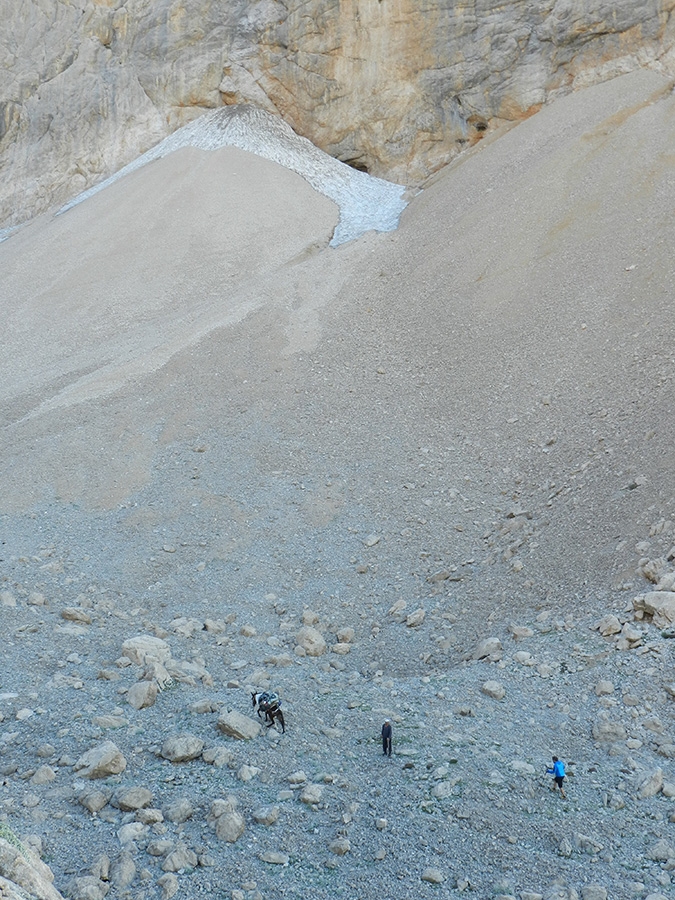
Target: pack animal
268,706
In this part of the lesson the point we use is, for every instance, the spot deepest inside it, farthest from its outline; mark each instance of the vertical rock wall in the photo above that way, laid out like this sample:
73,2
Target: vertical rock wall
396,87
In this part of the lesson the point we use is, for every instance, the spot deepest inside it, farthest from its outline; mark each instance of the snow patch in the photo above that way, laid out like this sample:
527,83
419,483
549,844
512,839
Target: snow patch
365,203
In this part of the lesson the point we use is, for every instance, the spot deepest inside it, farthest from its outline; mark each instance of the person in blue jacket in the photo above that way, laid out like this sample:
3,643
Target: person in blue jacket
558,772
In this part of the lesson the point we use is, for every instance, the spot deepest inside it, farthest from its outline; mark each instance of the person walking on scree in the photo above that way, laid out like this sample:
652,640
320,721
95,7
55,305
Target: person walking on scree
386,737
558,772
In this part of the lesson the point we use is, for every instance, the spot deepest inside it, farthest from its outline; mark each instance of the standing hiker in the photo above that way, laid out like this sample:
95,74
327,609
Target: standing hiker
558,772
386,737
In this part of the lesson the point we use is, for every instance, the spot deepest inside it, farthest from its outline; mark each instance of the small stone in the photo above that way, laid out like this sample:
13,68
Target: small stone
345,635
94,800
44,751
247,631
130,832
381,824
651,785
494,689
247,773
593,892
123,871
433,876
160,847
179,859
486,648
608,732
99,762
340,846
298,777
182,748
43,775
76,614
415,619
132,799
309,617
146,647
311,794
275,859
342,649
87,887
149,816
311,640
230,826
520,632
169,885
380,854
178,810
266,815
604,688
661,851
142,695
608,625
236,725
218,756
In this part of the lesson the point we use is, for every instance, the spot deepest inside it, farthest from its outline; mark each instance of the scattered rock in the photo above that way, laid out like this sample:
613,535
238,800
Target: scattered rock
236,725
266,815
274,858
145,647
415,619
486,648
494,689
311,641
180,859
169,885
142,695
182,747
433,876
100,762
123,871
340,846
311,794
178,810
651,785
132,799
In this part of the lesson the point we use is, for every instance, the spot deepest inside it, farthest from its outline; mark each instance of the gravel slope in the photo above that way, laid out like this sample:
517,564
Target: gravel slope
211,415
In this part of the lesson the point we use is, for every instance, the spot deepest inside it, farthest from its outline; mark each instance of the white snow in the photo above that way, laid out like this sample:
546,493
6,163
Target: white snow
366,203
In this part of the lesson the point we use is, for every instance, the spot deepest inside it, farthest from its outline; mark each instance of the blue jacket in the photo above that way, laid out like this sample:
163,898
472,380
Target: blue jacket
558,769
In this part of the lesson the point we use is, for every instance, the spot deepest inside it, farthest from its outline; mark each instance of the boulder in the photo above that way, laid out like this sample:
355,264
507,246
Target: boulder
21,865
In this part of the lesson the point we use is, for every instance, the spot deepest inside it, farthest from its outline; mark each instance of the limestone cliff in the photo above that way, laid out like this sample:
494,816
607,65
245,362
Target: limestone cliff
392,86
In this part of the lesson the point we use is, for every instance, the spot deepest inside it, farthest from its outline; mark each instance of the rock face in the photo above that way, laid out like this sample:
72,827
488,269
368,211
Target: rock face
388,87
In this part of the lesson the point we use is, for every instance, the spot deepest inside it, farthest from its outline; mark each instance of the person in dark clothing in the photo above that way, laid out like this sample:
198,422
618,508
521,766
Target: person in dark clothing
386,737
558,772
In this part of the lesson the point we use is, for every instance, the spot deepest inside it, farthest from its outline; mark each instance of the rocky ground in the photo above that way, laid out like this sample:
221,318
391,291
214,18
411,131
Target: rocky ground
426,476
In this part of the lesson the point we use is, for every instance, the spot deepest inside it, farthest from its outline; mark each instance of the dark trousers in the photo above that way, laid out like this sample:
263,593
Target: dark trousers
386,746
